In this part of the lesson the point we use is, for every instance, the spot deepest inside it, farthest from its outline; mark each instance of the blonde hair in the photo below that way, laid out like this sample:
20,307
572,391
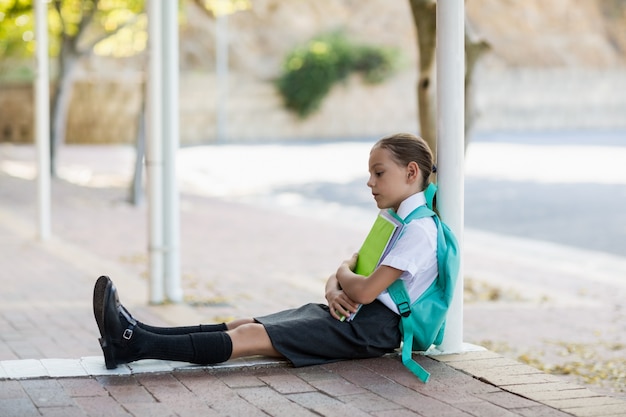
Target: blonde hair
406,148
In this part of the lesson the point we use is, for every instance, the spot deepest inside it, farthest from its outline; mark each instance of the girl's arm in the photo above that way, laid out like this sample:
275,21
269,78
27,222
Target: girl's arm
363,289
338,302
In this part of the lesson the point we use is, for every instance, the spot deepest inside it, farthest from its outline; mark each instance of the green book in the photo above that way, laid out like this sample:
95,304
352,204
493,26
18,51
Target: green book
379,241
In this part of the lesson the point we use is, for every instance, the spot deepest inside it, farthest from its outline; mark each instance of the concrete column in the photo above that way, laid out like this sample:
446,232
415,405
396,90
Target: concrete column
42,118
450,144
154,152
171,141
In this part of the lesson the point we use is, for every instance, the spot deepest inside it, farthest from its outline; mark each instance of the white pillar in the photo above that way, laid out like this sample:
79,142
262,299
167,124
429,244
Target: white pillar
42,118
154,152
171,139
450,144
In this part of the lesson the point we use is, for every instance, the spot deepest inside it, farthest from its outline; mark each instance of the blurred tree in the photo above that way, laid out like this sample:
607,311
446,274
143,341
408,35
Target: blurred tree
424,17
77,28
615,14
213,8
311,69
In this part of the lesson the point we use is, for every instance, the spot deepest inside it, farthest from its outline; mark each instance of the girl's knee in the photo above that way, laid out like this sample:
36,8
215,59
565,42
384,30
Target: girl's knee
239,322
251,339
250,329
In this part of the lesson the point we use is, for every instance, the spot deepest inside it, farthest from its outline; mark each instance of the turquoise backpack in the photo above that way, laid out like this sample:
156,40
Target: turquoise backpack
423,322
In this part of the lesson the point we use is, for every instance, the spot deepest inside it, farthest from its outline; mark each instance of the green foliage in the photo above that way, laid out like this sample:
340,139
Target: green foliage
16,28
111,17
375,63
311,70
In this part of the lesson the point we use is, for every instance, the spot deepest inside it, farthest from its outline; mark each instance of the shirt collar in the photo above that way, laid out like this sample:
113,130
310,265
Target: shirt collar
410,204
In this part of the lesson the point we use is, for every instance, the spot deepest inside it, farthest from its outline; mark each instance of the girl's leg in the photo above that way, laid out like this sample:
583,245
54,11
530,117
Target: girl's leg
201,348
248,338
232,325
200,328
245,337
251,339
123,340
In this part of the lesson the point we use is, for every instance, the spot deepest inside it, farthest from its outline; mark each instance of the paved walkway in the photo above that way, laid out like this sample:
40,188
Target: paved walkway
50,361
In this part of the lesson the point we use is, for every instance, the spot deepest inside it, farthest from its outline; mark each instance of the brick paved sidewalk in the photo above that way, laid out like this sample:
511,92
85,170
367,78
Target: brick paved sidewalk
376,387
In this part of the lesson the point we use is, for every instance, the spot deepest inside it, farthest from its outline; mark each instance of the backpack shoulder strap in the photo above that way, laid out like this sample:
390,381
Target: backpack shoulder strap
418,213
429,193
398,294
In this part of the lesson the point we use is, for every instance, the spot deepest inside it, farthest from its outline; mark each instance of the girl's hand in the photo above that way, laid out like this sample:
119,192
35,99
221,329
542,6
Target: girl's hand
340,304
350,263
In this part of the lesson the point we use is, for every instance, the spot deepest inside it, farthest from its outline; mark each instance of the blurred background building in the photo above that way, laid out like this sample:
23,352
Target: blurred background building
551,65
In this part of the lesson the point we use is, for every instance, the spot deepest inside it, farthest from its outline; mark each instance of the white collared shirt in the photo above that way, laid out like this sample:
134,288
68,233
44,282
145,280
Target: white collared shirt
415,252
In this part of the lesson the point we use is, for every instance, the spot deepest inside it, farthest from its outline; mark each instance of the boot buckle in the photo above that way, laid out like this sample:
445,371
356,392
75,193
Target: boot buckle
128,333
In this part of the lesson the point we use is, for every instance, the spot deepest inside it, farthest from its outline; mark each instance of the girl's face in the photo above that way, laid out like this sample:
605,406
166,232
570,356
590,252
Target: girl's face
390,182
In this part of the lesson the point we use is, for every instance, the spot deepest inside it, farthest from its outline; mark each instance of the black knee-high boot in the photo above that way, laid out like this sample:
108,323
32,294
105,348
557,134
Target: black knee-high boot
201,348
122,340
200,328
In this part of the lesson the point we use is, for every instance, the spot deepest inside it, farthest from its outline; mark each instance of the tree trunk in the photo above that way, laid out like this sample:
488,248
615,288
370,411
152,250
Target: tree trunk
136,189
68,58
425,19
475,47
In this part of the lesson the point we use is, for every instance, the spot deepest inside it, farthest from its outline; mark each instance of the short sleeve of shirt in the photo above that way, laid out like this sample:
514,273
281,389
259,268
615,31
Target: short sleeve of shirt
415,253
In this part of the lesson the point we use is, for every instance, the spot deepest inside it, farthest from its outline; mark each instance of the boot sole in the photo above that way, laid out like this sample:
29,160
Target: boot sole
101,294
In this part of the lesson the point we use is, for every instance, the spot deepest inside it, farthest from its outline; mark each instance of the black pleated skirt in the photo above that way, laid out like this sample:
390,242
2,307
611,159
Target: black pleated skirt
309,335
